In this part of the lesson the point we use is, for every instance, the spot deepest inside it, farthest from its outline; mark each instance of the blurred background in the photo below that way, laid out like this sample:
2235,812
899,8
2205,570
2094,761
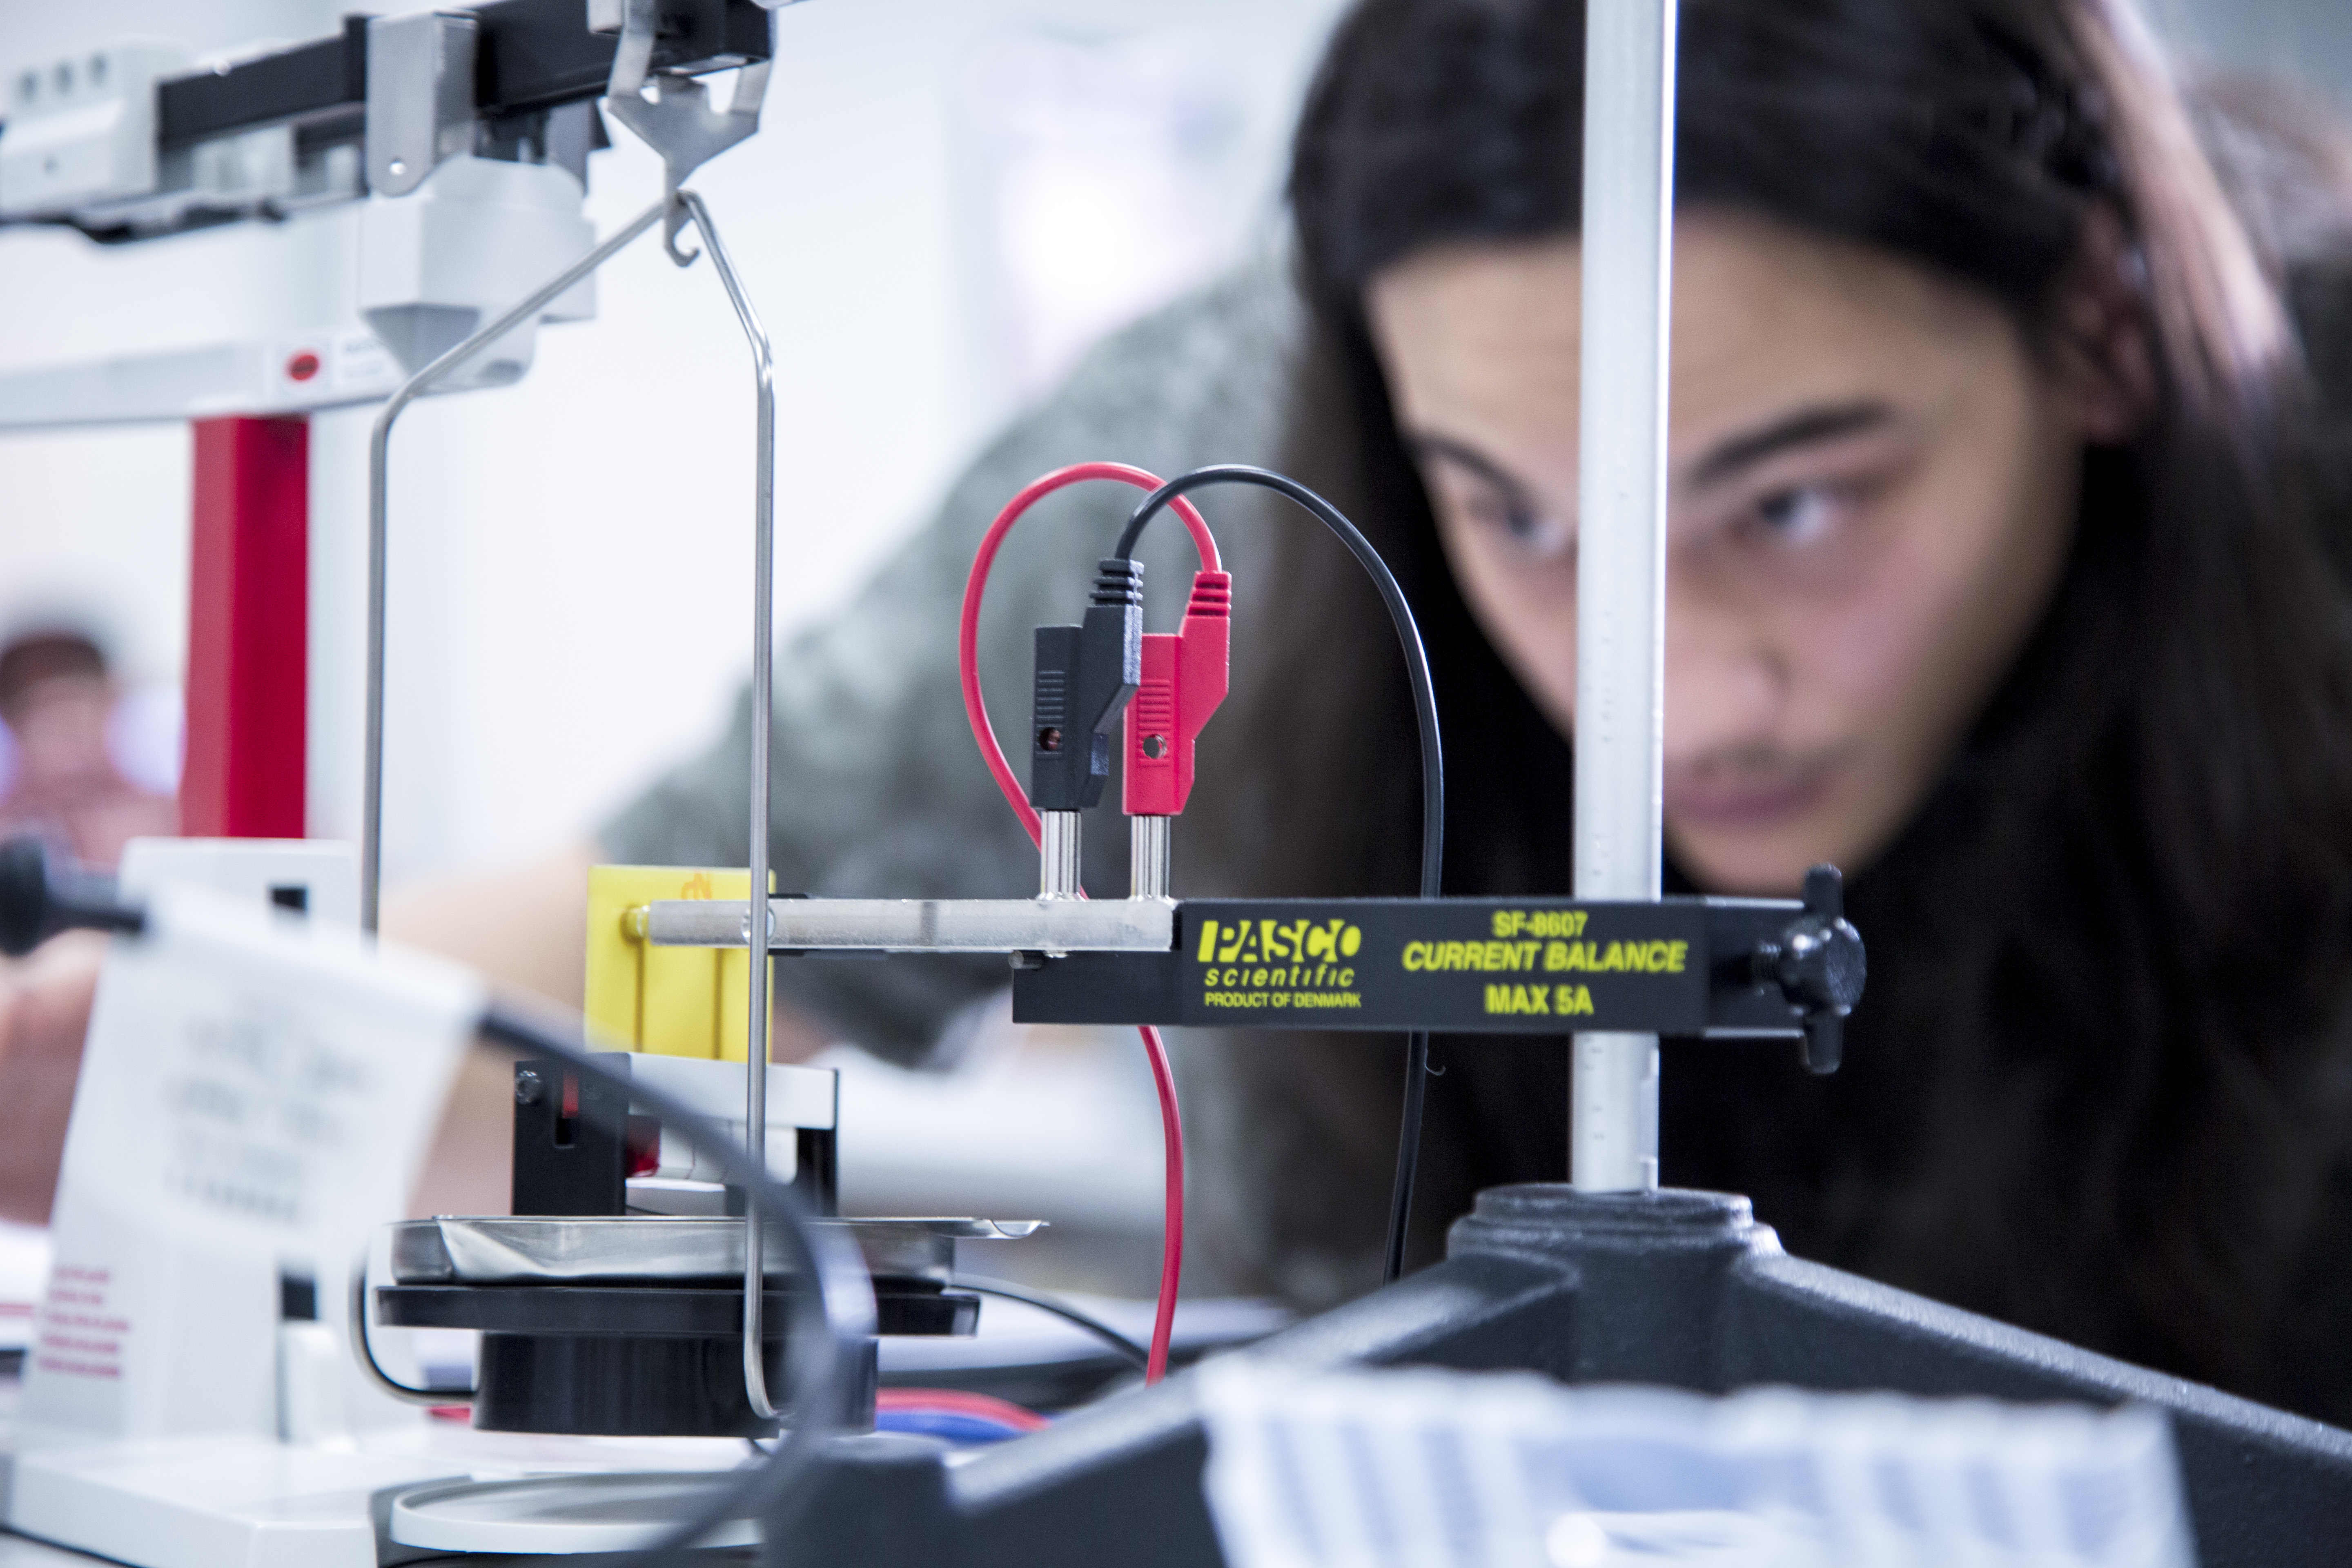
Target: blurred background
949,202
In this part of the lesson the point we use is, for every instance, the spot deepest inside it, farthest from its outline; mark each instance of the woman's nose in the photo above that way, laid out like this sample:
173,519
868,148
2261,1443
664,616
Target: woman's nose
1726,684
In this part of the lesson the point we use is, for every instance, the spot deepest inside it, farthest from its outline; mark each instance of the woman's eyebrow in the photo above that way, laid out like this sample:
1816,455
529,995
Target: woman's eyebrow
1805,427
1513,492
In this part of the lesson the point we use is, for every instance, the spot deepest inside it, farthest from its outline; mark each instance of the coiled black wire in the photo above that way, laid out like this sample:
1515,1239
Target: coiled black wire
1432,766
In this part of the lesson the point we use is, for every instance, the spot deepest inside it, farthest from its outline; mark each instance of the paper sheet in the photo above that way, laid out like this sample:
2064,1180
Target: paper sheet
1438,1469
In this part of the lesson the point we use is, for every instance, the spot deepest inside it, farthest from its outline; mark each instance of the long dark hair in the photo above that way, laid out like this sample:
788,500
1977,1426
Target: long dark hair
2099,1086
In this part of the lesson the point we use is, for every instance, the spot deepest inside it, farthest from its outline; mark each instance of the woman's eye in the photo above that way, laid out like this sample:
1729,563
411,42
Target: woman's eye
1798,516
1526,527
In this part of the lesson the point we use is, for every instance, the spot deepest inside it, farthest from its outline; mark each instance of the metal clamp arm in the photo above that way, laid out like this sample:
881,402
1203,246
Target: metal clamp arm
923,925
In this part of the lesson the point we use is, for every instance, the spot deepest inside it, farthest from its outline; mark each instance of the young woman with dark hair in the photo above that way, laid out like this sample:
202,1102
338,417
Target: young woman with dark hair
2000,532
1995,575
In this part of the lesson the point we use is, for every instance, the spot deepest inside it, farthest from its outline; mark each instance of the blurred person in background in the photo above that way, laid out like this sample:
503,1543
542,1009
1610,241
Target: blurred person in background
2003,498
69,751
82,764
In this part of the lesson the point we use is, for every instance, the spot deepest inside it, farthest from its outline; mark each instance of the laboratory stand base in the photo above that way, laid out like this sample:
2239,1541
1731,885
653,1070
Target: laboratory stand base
215,1502
234,1501
1678,1288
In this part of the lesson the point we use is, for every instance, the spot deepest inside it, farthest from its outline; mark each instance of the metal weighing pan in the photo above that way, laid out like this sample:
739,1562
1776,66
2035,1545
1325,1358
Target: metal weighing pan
503,1250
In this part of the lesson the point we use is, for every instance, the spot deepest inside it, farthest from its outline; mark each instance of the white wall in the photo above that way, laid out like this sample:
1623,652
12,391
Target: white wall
569,599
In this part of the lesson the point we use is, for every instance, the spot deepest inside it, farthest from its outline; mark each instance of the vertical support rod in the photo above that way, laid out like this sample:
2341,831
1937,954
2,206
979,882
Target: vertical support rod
248,642
1628,255
758,922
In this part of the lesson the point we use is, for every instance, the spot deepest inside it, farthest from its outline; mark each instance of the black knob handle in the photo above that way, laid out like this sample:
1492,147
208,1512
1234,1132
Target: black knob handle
24,895
33,907
1826,892
1820,966
1824,1044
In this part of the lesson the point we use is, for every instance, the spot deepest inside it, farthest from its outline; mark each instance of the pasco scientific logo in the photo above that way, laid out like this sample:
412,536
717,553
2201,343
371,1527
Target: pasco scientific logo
1272,964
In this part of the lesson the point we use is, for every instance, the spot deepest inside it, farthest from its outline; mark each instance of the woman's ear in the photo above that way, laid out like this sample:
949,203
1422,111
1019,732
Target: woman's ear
2101,357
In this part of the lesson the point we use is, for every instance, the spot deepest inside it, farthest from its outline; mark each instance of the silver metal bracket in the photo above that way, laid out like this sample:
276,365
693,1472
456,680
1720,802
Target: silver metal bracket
671,113
420,97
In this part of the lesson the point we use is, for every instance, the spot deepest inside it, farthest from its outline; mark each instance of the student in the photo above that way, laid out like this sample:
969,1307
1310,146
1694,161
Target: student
65,730
1996,575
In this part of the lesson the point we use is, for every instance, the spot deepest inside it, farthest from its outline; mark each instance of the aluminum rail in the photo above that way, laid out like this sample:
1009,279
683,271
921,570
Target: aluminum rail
378,496
922,925
1628,255
763,711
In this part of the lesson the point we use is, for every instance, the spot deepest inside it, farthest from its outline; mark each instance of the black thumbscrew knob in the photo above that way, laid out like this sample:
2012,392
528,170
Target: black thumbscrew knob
1820,965
1821,969
24,895
529,1087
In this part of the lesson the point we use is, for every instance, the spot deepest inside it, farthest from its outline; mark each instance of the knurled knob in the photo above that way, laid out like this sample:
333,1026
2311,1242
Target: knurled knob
1820,966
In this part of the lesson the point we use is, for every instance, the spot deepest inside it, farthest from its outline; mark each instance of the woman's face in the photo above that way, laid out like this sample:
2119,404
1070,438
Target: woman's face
1871,489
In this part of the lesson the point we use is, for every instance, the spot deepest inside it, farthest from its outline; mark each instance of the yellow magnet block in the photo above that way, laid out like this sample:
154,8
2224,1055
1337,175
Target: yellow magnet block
669,1000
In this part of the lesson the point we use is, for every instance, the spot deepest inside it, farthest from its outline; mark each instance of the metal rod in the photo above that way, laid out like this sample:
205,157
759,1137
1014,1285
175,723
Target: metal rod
923,925
1628,258
763,660
1147,857
379,481
1057,855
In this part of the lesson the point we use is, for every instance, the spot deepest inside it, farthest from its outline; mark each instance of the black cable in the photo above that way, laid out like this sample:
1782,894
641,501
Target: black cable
1416,1086
384,1380
1126,1348
1432,768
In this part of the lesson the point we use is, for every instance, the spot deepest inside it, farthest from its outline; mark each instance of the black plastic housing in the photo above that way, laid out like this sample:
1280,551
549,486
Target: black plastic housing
647,1359
1085,674
1679,967
531,55
570,1141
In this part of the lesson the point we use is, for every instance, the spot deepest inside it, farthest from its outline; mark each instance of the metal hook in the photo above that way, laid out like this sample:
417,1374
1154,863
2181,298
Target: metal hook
676,224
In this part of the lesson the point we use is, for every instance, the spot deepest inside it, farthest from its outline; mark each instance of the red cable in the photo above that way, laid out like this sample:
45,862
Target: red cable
975,709
1171,1230
958,1402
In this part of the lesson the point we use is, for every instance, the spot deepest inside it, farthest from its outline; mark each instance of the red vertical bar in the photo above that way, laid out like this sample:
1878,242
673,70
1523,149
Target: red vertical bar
248,638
